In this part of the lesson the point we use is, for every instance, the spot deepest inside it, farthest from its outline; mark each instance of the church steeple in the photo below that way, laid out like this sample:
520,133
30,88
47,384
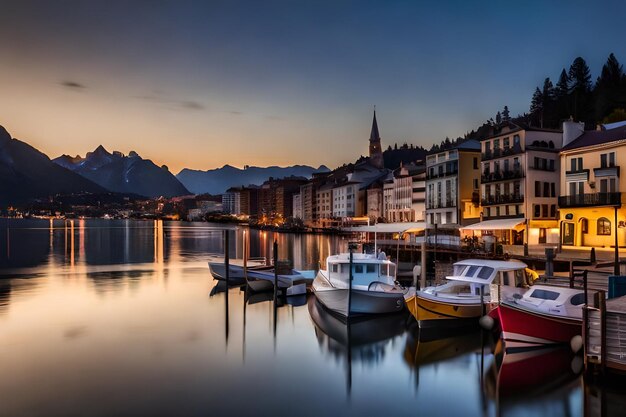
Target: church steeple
376,153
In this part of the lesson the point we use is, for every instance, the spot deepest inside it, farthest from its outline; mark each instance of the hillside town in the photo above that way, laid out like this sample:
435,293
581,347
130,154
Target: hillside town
519,186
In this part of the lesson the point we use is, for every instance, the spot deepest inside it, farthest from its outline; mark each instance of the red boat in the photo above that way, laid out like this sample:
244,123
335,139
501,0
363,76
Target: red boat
542,316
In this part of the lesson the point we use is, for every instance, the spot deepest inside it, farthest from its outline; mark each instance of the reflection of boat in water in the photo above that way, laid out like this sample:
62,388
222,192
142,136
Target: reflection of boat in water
364,339
466,295
422,349
373,289
537,381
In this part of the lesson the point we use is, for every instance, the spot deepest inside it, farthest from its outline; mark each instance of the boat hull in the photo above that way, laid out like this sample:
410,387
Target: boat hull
522,329
235,275
436,313
361,302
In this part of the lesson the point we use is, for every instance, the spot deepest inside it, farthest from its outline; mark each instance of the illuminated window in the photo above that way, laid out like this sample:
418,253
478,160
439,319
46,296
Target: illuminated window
604,226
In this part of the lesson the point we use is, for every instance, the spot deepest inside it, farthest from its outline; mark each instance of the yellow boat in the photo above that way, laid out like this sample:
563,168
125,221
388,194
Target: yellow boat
468,293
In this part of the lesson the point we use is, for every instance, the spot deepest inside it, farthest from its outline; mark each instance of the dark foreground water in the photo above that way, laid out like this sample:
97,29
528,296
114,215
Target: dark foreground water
109,318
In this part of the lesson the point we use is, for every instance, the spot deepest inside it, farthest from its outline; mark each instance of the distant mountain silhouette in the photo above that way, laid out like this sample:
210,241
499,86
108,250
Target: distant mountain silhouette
124,174
217,181
26,174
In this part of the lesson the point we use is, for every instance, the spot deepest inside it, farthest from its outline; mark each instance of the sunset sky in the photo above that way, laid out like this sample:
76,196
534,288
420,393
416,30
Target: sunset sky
202,84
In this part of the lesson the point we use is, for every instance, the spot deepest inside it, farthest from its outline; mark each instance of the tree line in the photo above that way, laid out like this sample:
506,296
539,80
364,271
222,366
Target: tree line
575,96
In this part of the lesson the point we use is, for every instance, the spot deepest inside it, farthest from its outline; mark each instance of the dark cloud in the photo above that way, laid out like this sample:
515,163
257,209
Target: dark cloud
172,102
192,105
73,85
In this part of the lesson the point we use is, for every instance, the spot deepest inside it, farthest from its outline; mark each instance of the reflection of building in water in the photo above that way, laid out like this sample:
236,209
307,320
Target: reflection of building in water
158,242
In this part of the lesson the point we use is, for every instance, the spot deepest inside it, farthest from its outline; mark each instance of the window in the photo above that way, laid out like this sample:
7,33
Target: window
358,269
553,210
537,188
578,299
551,164
607,160
506,165
470,271
604,227
608,185
544,210
576,164
448,217
546,189
485,272
552,189
537,210
334,268
544,294
516,188
475,184
370,268
584,225
515,140
496,144
475,163
506,143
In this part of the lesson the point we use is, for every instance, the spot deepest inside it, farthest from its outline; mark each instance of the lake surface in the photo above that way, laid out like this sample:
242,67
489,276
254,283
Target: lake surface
108,318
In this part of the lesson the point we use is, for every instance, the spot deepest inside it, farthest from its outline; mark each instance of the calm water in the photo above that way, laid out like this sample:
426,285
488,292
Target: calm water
110,318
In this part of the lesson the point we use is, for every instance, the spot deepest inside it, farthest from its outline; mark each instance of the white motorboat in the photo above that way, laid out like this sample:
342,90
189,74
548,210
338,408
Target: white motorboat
470,292
373,289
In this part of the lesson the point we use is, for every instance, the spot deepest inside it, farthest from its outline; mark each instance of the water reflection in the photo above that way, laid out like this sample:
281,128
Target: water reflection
365,341
539,382
124,314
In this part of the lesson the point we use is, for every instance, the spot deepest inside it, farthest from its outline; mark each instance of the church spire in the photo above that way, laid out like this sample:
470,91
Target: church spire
374,136
376,153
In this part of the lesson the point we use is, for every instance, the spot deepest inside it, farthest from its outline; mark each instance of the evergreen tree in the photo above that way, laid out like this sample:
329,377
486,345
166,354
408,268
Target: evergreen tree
561,94
498,118
610,88
549,118
580,90
506,117
536,107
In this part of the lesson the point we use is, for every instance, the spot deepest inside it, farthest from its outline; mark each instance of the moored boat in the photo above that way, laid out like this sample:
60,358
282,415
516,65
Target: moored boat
373,289
468,294
543,315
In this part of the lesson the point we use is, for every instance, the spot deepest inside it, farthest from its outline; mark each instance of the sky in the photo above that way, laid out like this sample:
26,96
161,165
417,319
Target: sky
208,83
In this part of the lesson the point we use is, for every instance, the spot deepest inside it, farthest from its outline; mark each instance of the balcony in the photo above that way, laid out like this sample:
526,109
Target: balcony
442,175
441,204
501,175
502,199
499,153
590,200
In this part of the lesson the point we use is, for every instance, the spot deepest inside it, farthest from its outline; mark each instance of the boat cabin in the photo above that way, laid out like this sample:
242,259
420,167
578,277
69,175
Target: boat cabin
366,268
470,275
557,301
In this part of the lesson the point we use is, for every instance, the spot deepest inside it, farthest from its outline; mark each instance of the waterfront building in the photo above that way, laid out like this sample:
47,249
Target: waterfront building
405,194
590,205
231,202
276,199
452,198
297,206
520,183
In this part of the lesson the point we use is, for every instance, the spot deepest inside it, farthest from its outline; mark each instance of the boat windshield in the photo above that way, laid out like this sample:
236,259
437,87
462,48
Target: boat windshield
476,271
544,294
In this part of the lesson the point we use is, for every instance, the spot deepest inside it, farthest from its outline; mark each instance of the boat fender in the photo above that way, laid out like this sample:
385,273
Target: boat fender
577,365
486,322
576,343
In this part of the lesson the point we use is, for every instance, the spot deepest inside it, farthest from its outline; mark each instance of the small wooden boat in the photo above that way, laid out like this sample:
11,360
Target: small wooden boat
236,275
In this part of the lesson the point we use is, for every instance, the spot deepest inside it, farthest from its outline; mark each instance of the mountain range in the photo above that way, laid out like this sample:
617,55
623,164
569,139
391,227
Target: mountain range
26,173
124,173
217,181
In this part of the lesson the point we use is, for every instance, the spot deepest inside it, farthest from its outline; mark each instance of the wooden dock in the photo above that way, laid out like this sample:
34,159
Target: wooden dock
604,328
